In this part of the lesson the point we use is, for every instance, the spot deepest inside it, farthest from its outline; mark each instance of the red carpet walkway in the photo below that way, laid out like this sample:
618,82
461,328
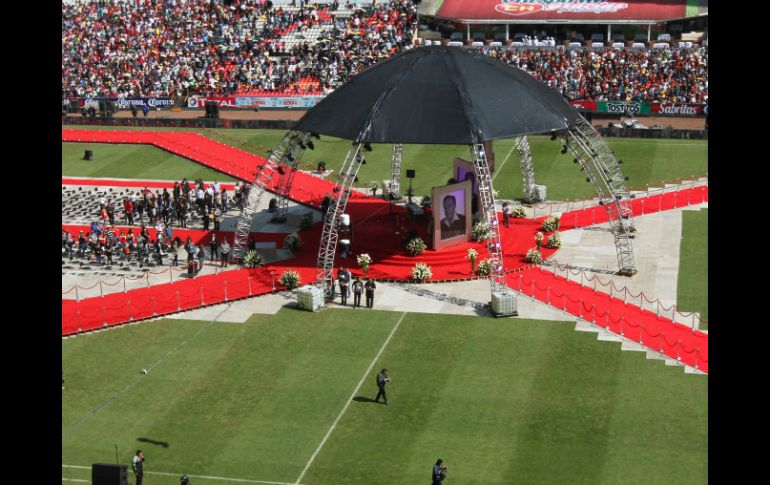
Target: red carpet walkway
657,333
379,232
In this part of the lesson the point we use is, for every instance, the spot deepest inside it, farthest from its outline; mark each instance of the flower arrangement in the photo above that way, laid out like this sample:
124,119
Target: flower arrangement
472,255
554,241
364,261
519,211
539,239
252,259
415,246
481,231
292,242
290,279
534,256
421,272
551,224
484,268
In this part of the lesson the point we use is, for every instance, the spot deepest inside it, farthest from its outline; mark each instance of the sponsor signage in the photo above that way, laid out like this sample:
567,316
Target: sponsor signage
564,10
126,103
200,102
277,101
677,109
623,107
587,105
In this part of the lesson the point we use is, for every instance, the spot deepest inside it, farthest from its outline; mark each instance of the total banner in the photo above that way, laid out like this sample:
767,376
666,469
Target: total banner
126,103
200,101
277,101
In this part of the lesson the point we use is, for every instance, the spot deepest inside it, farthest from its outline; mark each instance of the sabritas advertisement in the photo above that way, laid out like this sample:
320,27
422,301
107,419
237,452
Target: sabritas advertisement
604,10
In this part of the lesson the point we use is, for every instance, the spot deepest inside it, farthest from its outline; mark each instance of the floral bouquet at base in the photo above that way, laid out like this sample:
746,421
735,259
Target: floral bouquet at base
421,272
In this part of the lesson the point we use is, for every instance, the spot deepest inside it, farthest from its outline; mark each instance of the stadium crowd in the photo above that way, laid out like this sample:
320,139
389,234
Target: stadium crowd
223,47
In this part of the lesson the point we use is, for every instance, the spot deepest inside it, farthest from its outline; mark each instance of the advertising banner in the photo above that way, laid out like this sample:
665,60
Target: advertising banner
587,105
562,10
199,101
126,103
677,109
623,107
277,101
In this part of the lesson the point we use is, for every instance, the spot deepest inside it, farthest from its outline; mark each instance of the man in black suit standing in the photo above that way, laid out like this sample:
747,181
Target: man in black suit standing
382,378
453,224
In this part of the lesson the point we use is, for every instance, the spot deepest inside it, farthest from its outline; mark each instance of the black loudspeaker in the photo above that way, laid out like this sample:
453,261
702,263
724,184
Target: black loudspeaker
109,474
106,109
409,174
212,110
89,155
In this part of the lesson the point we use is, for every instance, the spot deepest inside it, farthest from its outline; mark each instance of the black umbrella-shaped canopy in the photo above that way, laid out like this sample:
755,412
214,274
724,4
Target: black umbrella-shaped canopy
445,95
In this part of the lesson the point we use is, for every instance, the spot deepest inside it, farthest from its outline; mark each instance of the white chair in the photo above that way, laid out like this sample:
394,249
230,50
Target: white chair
477,45
517,44
574,45
454,43
597,45
660,45
688,44
428,42
618,45
638,45
495,44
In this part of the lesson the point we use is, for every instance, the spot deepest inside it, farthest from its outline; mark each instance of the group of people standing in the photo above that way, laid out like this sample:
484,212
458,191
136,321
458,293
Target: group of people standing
344,277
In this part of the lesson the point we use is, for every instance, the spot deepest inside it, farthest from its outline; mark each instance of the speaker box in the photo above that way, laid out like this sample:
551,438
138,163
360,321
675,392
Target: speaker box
207,105
109,474
89,155
409,174
215,110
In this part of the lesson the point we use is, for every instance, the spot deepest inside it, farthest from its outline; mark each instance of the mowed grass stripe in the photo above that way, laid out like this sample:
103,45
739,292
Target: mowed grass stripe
518,401
248,400
645,162
132,162
692,287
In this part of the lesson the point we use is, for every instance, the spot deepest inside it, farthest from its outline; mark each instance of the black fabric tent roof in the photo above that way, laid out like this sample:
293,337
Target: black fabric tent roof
439,94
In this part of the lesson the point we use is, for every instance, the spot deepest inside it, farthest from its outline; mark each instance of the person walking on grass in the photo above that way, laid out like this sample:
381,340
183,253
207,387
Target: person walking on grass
382,378
137,466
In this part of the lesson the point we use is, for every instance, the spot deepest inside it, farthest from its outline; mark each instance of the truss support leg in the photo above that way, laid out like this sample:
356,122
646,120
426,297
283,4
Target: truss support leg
602,169
395,172
290,158
488,211
327,249
527,169
286,149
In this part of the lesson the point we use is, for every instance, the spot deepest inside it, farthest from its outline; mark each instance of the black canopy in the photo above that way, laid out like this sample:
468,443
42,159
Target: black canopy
438,94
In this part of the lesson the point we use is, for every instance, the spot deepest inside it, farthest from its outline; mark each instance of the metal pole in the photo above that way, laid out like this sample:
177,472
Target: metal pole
507,32
147,274
124,284
77,296
248,280
649,32
225,290
170,275
202,302
153,307
178,304
101,291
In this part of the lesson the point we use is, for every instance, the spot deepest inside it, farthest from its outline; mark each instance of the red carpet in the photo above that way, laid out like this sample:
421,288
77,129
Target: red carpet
379,233
657,333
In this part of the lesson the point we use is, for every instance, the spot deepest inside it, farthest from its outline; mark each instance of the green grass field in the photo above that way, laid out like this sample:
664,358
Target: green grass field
645,161
501,401
693,284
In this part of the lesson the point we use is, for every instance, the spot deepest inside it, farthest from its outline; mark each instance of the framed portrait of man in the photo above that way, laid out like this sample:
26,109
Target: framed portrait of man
462,170
451,214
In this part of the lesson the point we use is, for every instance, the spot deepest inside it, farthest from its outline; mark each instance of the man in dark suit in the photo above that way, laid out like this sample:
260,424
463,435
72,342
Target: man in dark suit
370,287
382,378
343,279
453,224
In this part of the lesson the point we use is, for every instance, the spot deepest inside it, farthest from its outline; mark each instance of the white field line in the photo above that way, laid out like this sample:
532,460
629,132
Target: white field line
137,381
350,399
202,477
498,169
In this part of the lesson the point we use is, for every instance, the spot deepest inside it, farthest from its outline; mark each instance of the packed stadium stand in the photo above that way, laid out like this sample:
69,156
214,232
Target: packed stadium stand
177,48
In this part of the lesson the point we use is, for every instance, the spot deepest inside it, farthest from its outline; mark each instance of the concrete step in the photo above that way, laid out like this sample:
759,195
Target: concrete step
583,326
632,346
